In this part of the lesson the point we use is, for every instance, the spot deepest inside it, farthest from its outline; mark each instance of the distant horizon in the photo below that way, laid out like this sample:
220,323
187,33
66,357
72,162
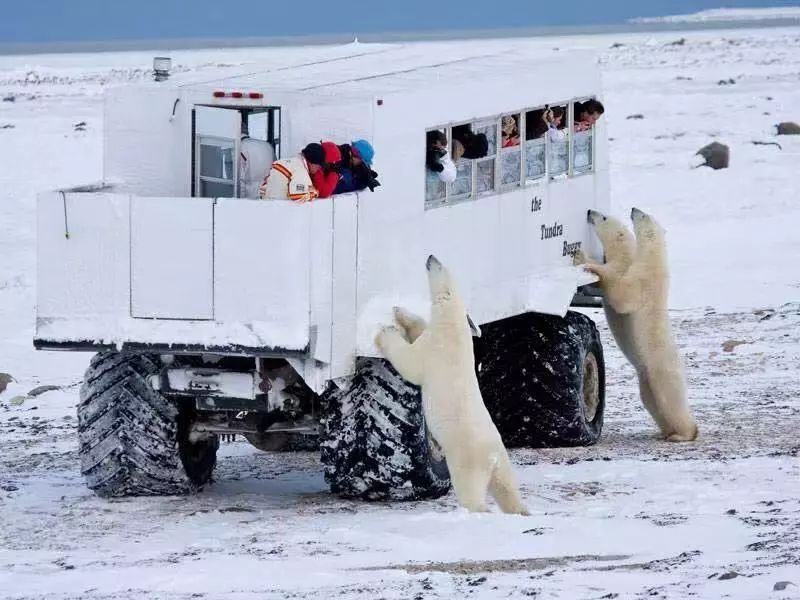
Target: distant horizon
194,42
65,22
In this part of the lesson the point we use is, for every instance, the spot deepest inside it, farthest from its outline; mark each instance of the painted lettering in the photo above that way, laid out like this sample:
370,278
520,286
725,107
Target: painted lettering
571,249
536,204
555,230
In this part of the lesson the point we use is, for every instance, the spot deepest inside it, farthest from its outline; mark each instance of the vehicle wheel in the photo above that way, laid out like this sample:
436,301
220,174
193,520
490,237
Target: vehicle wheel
374,441
543,379
133,440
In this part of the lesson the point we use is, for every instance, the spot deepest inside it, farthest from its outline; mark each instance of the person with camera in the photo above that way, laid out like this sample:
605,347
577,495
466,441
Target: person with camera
437,159
355,168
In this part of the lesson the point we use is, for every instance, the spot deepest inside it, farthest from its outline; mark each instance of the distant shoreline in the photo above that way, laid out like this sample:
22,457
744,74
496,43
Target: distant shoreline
386,37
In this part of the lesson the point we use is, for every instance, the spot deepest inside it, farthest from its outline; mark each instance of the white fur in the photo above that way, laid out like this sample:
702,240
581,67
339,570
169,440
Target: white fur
635,280
439,357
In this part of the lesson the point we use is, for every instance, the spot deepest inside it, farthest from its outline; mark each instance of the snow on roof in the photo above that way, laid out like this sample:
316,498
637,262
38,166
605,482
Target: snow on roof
367,69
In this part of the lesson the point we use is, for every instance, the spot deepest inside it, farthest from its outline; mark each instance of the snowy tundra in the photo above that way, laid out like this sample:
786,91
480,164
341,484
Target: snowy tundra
632,517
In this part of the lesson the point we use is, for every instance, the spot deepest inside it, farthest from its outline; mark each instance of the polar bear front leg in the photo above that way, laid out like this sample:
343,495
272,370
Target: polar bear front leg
580,258
412,324
405,358
625,294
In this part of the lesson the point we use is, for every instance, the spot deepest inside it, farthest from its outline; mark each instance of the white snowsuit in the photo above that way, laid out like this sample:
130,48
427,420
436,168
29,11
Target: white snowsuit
256,158
288,179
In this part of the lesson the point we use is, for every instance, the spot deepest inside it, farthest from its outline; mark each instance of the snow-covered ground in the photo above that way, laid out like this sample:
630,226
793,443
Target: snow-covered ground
632,517
727,14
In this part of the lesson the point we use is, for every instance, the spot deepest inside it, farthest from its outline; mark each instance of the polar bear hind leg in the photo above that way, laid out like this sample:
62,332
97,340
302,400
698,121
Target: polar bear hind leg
649,401
412,324
504,489
673,415
470,481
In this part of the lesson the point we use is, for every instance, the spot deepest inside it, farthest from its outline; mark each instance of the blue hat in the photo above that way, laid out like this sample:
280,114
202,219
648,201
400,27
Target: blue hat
364,150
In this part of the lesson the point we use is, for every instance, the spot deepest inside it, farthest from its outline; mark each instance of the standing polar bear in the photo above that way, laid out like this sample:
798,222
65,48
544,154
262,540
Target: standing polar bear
635,280
439,357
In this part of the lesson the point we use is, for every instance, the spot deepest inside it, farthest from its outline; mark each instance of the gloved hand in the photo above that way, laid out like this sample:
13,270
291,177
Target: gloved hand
372,184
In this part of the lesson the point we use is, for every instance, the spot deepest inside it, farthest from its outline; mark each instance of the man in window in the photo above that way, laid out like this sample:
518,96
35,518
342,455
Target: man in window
290,178
587,114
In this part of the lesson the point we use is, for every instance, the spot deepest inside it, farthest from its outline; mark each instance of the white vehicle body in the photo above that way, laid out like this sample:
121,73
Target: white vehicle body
141,261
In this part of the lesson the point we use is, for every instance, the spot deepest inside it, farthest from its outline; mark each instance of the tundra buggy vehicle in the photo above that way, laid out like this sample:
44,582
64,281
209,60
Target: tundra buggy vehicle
214,314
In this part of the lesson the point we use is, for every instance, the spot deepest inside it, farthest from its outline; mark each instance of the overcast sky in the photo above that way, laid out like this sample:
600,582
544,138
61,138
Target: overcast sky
90,20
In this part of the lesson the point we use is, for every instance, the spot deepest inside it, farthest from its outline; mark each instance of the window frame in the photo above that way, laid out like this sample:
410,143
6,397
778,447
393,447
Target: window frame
500,186
273,133
470,195
572,172
200,178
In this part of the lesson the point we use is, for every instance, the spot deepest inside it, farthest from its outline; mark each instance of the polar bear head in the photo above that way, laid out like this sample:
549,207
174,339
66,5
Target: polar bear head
445,299
618,242
645,227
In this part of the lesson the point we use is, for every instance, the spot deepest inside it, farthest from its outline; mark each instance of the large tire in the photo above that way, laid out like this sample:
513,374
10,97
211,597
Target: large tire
543,379
133,440
374,442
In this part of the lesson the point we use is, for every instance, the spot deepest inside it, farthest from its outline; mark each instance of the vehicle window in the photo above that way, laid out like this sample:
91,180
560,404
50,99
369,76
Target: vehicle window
582,140
535,129
216,164
462,186
510,150
558,136
485,167
437,168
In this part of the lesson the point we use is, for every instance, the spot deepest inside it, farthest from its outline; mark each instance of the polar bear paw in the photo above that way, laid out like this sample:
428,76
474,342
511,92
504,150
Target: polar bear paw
594,269
382,340
579,258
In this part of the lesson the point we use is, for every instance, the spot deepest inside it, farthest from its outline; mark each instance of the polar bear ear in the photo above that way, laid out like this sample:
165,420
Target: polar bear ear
476,331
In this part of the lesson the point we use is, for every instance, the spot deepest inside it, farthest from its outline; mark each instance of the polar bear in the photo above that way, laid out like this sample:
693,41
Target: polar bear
619,246
638,317
439,357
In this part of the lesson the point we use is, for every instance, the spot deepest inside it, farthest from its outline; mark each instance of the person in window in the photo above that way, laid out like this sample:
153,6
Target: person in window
290,178
355,168
547,121
510,130
437,160
587,113
467,144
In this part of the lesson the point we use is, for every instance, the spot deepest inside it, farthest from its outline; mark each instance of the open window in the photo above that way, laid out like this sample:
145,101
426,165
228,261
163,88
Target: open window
232,148
485,167
461,188
582,142
436,147
558,138
510,150
535,144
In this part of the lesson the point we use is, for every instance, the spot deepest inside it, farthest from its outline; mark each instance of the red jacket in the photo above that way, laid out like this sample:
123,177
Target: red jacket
326,182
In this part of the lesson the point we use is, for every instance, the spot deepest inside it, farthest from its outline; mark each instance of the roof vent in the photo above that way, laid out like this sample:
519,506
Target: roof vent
161,67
